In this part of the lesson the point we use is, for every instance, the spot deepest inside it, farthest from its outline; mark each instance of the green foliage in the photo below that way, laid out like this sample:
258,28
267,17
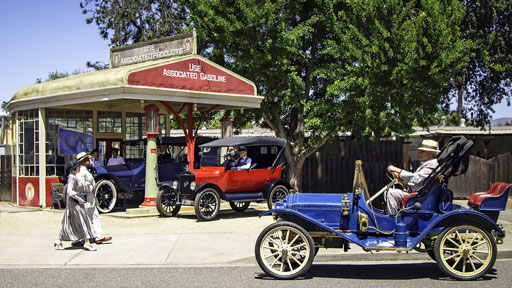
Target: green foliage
486,79
131,21
58,75
398,56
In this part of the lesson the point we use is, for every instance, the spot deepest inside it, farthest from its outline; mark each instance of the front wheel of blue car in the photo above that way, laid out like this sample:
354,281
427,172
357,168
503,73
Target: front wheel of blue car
106,195
166,200
285,250
207,204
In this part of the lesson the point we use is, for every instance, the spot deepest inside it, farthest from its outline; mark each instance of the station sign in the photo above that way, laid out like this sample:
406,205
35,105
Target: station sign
174,46
193,74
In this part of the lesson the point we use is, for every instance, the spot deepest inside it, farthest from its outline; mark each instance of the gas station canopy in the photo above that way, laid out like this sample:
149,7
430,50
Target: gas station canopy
186,79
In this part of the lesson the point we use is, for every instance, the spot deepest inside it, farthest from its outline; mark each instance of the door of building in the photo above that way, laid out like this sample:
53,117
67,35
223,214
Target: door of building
105,148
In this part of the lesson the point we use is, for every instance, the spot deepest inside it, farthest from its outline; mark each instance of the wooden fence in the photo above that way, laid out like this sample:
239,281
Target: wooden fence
5,178
481,174
331,170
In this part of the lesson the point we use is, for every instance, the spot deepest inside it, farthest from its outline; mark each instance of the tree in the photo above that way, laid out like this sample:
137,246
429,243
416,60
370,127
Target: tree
486,79
400,55
58,75
132,21
323,66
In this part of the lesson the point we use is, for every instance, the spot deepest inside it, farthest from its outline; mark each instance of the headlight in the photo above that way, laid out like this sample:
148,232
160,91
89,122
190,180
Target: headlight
193,186
175,185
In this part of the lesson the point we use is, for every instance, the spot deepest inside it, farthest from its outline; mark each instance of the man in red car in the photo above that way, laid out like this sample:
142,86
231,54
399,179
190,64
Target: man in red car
243,162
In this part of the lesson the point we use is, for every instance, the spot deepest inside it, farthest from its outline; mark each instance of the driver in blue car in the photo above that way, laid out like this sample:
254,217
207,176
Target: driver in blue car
413,181
243,162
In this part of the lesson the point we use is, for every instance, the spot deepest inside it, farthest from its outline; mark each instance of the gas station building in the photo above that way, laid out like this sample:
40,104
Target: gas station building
55,120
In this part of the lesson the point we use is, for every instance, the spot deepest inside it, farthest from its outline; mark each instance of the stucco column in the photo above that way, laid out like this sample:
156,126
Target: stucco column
42,158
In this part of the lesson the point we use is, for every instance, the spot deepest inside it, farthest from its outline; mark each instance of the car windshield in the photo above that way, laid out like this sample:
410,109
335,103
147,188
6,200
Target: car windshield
213,156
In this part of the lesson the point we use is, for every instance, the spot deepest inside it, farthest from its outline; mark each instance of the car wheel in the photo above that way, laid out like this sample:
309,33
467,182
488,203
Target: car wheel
285,250
239,206
465,252
105,195
277,193
207,204
166,200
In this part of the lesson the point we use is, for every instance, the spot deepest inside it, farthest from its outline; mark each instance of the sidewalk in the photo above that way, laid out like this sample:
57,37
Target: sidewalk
27,234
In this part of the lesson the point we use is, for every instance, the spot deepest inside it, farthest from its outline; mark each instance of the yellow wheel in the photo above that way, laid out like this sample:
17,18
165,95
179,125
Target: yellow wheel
284,250
465,252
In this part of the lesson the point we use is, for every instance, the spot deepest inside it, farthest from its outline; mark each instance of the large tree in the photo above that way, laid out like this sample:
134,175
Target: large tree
368,67
487,78
400,55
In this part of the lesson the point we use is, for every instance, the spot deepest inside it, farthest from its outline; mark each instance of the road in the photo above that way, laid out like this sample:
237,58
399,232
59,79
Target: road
392,274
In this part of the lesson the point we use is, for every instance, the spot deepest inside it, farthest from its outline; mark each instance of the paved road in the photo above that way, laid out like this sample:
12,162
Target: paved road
412,274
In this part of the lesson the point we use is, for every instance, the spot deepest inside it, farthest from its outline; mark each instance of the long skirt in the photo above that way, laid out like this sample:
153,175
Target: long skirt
75,223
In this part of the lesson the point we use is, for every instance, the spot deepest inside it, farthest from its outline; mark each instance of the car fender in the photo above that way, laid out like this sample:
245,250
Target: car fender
114,179
273,183
203,186
457,217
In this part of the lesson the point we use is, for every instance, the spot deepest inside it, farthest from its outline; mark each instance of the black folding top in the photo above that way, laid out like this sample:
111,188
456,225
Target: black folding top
246,141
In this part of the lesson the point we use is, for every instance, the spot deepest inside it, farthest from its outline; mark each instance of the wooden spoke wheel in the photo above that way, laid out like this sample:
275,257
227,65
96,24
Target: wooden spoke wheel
465,252
166,200
105,194
285,250
207,204
277,193
239,206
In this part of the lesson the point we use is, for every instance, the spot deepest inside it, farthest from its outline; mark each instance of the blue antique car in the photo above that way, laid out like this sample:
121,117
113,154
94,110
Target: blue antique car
461,240
125,183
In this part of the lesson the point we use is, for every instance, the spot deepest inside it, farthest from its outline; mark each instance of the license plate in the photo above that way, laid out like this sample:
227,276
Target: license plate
186,202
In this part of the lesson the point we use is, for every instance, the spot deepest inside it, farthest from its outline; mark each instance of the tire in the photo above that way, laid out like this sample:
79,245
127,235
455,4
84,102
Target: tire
277,193
207,204
166,202
105,194
284,250
465,247
239,206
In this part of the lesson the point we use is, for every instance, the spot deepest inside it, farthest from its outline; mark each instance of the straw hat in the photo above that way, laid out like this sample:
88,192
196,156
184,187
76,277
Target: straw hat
429,145
82,156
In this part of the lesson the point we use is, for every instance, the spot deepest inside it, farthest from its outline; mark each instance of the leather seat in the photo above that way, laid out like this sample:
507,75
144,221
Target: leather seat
491,190
494,199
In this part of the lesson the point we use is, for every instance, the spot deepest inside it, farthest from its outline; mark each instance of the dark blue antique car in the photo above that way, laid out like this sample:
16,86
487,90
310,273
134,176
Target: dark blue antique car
461,240
125,183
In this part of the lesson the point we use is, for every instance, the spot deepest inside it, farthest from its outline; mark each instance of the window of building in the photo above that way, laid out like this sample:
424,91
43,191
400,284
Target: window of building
135,126
68,132
28,143
110,122
162,124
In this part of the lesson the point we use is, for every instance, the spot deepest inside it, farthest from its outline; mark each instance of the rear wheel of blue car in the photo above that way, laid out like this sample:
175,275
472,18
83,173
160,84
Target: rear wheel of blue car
166,200
465,252
285,250
207,204
277,193
106,195
239,206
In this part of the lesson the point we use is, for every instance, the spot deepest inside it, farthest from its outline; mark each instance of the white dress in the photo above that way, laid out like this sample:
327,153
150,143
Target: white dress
92,212
75,223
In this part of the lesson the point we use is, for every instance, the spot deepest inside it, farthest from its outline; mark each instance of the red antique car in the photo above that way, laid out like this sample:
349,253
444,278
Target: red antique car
214,180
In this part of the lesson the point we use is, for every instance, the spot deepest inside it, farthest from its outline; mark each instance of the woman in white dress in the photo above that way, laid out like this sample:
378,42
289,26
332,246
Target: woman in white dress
75,224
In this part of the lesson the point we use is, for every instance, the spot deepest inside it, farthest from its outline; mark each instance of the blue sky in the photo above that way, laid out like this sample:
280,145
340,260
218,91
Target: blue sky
40,36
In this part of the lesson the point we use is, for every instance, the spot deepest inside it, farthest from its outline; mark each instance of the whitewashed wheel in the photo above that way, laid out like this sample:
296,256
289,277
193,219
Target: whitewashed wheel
105,195
285,250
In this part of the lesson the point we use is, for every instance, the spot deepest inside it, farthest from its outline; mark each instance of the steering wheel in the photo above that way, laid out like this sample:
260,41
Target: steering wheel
396,178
